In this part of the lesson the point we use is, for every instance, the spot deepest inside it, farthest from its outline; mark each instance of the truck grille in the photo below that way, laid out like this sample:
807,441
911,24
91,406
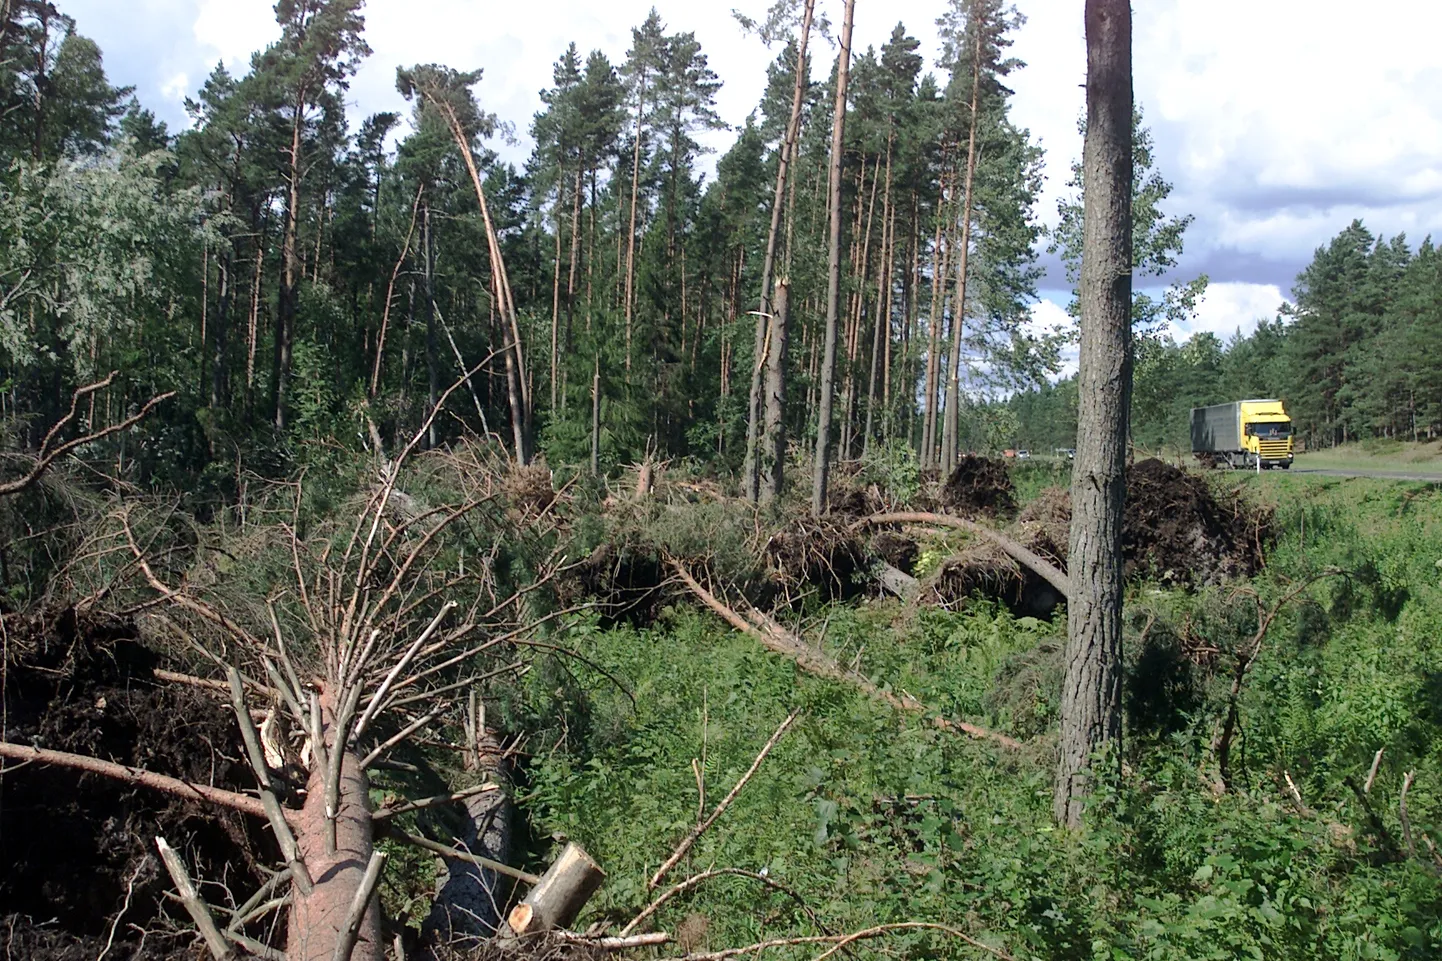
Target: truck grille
1275,449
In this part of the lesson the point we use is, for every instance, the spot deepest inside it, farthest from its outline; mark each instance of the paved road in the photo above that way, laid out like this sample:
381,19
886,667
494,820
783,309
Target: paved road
1433,477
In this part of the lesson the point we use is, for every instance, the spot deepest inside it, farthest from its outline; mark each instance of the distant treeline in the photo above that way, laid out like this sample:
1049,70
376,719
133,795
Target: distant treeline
1358,355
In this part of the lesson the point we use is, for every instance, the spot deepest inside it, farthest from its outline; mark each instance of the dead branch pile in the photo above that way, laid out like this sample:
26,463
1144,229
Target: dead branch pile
979,485
529,489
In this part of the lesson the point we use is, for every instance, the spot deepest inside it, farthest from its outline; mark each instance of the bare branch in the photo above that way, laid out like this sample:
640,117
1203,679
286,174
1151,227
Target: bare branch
273,811
49,455
199,913
435,847
839,941
358,906
395,739
132,775
429,802
735,791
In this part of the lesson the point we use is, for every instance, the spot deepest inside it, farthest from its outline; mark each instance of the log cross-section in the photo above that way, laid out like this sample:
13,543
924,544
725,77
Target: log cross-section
560,894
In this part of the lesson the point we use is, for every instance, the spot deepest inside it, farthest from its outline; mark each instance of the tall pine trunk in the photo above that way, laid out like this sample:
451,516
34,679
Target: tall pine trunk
952,424
285,315
768,265
881,336
1091,692
821,475
940,267
631,235
774,445
433,374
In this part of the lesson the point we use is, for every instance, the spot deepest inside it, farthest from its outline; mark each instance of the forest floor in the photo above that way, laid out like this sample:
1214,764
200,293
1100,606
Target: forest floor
863,817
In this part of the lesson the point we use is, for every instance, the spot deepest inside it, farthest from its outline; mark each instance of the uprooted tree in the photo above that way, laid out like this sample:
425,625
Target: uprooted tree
376,634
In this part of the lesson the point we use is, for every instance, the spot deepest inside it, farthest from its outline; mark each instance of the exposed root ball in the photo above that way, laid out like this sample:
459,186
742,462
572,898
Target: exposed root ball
73,845
896,549
979,485
1176,531
817,554
986,570
1044,525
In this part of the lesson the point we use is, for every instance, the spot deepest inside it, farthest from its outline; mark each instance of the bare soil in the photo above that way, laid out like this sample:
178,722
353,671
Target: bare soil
79,847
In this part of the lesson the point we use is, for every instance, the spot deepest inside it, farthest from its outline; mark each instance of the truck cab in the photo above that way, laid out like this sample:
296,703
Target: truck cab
1267,433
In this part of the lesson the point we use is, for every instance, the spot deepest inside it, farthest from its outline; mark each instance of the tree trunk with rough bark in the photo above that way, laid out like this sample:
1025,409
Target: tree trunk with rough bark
285,313
316,919
951,427
768,265
774,445
822,468
1091,694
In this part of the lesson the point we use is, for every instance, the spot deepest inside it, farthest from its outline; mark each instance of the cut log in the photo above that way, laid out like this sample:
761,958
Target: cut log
563,890
897,582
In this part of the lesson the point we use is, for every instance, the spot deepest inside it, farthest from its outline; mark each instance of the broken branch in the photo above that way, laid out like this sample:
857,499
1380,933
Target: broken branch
735,791
132,775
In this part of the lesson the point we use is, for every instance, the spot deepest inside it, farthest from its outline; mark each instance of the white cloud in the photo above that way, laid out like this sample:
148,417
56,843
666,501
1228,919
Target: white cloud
1230,308
231,30
1048,316
177,87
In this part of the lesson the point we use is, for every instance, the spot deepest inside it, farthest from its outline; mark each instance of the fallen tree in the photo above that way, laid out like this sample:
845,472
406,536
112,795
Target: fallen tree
358,657
774,637
1023,555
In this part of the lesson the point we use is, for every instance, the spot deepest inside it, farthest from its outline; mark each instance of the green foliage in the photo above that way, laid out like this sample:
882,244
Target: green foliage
875,818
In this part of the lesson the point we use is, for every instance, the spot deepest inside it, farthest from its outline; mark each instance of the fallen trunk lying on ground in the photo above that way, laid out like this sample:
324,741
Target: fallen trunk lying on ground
776,638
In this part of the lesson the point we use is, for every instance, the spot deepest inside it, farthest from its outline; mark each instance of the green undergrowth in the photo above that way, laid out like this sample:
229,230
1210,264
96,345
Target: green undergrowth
871,817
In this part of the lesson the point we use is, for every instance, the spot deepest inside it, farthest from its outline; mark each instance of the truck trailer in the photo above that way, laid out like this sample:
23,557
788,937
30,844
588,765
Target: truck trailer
1244,433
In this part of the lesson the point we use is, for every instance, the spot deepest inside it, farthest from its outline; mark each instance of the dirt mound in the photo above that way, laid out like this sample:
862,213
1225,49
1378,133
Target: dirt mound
985,570
77,846
1044,525
979,485
1178,532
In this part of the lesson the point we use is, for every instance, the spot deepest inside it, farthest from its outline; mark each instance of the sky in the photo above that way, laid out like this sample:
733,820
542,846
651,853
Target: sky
1278,121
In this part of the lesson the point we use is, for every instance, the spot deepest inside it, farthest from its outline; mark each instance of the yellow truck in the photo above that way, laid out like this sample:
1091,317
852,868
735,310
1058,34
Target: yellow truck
1244,433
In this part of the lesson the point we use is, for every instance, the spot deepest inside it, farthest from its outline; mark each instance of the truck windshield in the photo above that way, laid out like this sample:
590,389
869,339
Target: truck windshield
1270,429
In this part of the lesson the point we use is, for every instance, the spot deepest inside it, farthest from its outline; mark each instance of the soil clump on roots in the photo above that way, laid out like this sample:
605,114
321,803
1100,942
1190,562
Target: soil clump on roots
1177,531
979,485
80,847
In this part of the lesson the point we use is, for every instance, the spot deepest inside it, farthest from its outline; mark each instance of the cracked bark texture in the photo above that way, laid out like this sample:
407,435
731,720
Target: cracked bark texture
1091,693
316,920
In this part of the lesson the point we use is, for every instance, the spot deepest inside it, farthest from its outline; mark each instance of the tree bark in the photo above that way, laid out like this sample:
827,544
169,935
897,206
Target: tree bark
822,468
940,267
317,919
768,265
635,191
774,445
285,314
1091,694
952,417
